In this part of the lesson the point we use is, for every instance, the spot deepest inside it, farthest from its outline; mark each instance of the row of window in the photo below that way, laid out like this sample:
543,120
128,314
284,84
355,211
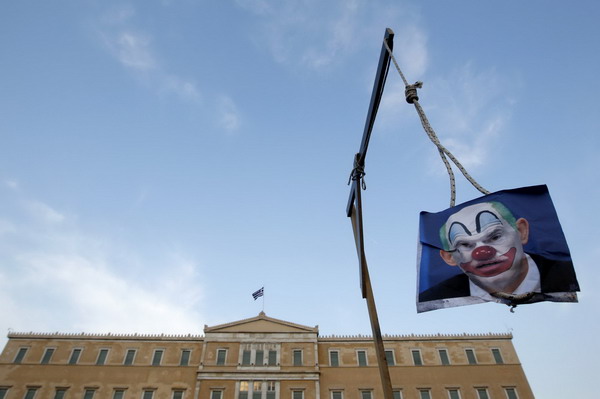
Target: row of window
455,393
424,393
259,357
255,390
90,393
361,357
128,359
255,357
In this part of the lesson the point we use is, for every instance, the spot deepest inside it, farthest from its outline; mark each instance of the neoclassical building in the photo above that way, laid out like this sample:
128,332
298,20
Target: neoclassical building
258,358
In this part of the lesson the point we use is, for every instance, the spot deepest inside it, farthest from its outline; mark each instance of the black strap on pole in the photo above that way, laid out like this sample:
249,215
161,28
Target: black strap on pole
354,211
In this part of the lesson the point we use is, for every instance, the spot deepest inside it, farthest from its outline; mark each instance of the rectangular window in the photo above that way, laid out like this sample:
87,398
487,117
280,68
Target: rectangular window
257,390
60,393
497,356
89,393
243,390
453,394
272,358
334,358
129,357
297,357
30,394
337,395
246,358
482,393
47,355
271,390
178,394
102,357
217,394
416,355
185,357
444,359
148,394
75,356
20,355
362,358
511,393
366,394
260,358
118,394
297,394
157,358
424,394
389,356
471,356
221,356
3,392
397,394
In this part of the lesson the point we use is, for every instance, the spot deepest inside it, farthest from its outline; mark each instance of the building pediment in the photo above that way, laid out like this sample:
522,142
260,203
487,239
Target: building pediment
260,324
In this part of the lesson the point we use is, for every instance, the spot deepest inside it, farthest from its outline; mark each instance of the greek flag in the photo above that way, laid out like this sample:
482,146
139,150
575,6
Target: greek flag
258,293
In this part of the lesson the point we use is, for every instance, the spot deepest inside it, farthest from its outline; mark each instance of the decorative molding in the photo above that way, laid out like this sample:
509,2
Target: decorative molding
106,337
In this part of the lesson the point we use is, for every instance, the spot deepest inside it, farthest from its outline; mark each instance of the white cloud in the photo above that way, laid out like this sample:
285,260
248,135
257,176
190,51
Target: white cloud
318,35
43,212
339,38
229,117
304,32
55,276
410,51
185,89
12,184
133,48
471,107
468,110
97,298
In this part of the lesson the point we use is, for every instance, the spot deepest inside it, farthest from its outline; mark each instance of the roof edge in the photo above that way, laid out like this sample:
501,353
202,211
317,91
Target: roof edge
111,336
261,316
408,337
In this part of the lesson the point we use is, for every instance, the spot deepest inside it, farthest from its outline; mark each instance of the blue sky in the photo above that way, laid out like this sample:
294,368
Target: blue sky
161,160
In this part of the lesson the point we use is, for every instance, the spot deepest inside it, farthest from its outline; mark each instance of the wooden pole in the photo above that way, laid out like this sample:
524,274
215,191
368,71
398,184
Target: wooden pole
356,217
354,211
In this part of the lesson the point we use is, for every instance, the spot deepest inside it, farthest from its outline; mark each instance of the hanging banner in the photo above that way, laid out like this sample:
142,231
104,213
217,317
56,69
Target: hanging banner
506,247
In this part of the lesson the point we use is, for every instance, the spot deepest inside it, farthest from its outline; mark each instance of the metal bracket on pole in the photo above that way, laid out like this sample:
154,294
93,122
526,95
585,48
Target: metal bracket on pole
354,211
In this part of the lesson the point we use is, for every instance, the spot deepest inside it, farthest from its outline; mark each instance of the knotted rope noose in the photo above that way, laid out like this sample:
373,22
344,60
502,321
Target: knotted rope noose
413,98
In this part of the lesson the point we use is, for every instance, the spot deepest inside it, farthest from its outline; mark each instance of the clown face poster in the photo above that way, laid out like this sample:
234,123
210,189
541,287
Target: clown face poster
506,247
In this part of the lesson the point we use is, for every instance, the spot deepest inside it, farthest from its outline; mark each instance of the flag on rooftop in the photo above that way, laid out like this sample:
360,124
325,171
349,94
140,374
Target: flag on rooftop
258,293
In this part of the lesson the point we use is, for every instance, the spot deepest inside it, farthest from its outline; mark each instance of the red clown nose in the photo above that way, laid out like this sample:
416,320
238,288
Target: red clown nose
484,252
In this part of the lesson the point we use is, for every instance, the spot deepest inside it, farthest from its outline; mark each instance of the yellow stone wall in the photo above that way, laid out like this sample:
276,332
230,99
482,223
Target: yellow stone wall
316,378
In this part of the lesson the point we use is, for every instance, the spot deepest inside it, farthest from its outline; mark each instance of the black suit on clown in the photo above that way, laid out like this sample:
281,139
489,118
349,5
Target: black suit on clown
555,276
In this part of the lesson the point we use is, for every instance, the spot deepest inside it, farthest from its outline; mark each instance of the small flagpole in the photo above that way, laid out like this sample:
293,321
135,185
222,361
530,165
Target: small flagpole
263,309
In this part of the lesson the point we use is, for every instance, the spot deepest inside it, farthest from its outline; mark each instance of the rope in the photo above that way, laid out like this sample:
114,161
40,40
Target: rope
413,98
358,173
514,299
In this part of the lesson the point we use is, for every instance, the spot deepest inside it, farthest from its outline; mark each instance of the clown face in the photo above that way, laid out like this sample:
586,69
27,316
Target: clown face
487,247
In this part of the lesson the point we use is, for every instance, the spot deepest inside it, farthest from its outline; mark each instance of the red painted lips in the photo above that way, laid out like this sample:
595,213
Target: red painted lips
487,263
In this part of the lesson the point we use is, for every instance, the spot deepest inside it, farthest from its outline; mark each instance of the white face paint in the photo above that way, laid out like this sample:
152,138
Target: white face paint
486,247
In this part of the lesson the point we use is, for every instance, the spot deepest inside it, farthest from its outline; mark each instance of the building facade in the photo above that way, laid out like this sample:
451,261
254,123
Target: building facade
258,358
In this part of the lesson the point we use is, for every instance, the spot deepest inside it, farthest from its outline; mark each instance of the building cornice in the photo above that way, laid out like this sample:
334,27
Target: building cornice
261,317
200,338
106,337
416,337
